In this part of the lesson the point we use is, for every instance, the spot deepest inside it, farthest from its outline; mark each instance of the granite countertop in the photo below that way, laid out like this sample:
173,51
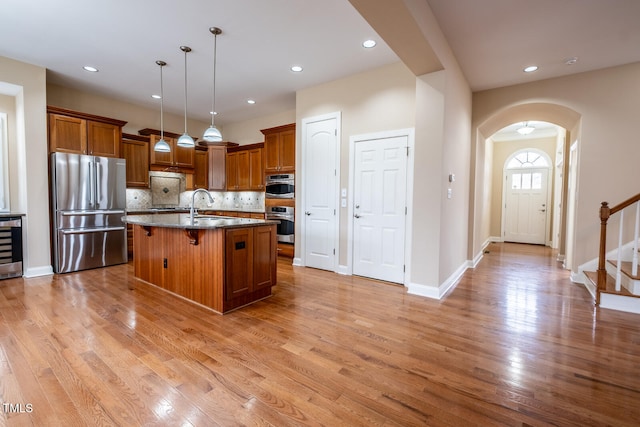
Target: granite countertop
177,220
186,209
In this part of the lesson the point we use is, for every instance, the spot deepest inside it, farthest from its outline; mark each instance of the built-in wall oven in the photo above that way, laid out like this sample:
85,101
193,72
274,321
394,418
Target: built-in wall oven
280,186
284,214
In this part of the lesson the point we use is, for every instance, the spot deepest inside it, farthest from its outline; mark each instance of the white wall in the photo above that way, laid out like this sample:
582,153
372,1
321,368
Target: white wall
377,100
26,84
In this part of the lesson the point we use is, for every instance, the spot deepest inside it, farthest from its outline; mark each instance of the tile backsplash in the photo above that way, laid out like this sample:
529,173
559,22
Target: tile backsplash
247,201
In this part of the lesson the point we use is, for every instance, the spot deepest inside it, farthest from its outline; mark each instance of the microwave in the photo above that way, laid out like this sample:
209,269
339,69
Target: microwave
281,186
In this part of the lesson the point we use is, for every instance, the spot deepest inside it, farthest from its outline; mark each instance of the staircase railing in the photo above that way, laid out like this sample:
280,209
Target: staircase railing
605,214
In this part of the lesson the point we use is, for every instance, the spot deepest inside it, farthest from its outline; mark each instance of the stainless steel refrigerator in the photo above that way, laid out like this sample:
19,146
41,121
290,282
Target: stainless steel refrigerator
88,202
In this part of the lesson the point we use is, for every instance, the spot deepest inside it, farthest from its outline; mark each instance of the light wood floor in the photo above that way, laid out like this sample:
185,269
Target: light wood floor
515,343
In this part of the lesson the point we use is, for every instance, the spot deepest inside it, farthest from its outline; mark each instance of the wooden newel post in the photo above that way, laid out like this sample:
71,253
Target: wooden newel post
605,212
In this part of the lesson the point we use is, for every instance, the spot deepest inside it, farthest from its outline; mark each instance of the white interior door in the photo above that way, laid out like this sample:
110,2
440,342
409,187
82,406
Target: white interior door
380,208
526,205
319,198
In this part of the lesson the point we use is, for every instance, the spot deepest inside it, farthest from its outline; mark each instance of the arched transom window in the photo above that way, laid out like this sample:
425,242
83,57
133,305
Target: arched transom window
528,159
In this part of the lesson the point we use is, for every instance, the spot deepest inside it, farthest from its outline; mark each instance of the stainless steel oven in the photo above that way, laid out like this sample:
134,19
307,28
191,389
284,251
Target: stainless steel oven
285,215
280,186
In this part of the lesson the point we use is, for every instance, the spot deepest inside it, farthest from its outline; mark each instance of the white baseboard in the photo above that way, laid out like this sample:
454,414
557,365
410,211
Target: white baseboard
437,292
297,262
44,270
620,303
344,270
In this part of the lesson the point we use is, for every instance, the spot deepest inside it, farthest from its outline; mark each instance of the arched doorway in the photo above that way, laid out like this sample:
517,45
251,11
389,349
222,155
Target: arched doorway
481,197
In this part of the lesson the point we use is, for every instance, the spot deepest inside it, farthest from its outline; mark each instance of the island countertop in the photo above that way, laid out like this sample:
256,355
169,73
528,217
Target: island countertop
200,221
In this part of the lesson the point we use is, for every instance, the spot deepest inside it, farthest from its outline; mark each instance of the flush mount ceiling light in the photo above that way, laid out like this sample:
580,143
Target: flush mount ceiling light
526,129
161,145
296,69
185,140
369,44
530,69
90,69
571,61
212,134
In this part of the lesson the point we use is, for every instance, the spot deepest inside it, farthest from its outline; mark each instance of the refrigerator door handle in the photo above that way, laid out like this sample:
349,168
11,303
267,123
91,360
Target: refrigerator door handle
92,184
92,230
98,180
74,213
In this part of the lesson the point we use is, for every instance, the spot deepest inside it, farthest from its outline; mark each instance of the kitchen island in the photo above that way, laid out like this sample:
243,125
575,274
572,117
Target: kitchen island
222,263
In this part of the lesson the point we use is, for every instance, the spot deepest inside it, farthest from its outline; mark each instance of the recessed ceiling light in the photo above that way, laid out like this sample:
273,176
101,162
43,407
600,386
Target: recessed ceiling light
530,69
90,69
369,43
250,101
296,69
156,96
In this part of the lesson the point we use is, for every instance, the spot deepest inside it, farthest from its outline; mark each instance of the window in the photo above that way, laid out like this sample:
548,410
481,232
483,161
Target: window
527,159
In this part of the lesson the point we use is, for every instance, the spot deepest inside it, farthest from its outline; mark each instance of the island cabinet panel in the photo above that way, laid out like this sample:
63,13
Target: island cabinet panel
220,268
265,241
239,262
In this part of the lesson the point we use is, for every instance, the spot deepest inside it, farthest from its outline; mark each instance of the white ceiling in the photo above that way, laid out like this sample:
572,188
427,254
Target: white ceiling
492,39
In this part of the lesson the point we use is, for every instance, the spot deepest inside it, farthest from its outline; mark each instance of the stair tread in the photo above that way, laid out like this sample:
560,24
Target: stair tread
626,267
611,285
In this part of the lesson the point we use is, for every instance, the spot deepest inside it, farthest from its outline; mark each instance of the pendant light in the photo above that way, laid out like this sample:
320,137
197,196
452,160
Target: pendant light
185,140
212,134
161,145
526,129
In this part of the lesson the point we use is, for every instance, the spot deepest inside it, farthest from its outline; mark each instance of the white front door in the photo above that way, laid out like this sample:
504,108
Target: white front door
319,199
526,205
380,208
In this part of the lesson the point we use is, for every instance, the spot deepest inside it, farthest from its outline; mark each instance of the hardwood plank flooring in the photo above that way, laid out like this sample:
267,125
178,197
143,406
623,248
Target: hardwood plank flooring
514,344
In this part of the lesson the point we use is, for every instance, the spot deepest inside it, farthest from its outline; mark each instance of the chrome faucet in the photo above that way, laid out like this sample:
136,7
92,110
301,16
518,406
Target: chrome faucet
193,198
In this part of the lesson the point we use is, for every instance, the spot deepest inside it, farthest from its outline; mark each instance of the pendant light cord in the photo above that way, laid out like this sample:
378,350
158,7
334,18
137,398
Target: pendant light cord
213,102
185,49
161,104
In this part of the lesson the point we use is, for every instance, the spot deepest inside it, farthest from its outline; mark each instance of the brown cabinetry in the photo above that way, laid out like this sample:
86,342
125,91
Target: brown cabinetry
201,168
249,260
217,167
135,150
81,133
179,158
280,149
244,168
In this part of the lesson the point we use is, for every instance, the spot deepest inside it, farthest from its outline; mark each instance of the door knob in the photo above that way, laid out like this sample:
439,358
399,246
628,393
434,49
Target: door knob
307,213
543,210
357,216
357,206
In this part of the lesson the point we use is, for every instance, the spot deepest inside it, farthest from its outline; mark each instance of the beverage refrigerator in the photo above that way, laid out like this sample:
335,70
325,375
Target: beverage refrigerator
88,202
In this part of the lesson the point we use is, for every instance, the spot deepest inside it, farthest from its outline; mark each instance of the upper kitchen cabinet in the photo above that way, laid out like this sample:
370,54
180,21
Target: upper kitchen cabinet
280,149
135,150
245,168
81,133
177,159
201,170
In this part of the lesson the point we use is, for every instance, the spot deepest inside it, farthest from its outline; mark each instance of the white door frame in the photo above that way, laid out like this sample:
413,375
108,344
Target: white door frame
301,180
353,140
549,168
